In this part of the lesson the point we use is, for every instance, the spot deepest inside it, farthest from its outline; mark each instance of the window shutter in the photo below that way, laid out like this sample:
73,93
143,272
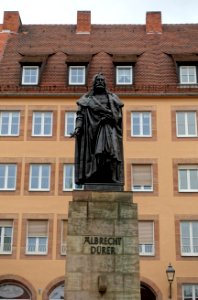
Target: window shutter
4,223
188,167
145,232
142,175
38,228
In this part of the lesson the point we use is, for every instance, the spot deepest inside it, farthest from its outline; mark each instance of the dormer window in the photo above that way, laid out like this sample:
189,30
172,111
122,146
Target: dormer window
30,75
124,68
77,75
77,65
124,75
188,74
186,64
32,66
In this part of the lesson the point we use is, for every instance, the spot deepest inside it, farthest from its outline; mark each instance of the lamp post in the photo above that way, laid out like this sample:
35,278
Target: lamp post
170,273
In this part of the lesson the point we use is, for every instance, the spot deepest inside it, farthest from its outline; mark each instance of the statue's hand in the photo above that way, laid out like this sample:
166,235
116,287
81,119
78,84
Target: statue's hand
76,132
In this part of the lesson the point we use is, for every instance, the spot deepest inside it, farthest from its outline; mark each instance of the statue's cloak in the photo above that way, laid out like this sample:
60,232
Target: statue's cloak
101,135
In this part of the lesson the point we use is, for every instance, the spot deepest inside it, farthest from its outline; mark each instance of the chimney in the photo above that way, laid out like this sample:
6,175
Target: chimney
83,22
11,21
153,22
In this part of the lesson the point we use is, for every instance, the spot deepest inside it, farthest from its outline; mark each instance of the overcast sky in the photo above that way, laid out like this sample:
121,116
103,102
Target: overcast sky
102,11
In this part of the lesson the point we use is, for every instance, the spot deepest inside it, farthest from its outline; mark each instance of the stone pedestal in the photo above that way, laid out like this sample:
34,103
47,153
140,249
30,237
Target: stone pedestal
102,247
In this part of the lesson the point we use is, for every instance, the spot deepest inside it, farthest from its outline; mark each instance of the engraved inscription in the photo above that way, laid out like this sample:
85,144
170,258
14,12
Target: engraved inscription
103,245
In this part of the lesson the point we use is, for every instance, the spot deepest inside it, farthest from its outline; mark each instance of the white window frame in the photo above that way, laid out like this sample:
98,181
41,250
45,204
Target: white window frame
43,115
77,82
188,169
37,246
121,68
142,188
141,115
193,287
40,170
71,178
36,68
3,226
187,68
147,249
67,123
186,123
191,247
10,123
6,177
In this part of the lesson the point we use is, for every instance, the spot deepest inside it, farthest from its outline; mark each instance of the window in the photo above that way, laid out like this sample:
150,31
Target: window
8,177
188,74
190,292
141,124
124,75
57,293
146,238
63,237
70,118
188,178
30,75
42,123
77,75
186,124
6,232
189,238
9,123
39,177
37,237
142,180
68,178
10,290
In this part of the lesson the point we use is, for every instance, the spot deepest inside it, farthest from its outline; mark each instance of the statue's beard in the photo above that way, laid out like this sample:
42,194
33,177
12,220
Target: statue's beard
99,89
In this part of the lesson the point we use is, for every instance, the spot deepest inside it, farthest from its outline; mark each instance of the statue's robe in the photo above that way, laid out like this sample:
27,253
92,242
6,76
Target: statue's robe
99,149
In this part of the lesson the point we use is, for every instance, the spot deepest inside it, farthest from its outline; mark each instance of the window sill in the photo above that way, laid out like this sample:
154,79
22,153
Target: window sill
187,136
35,254
29,84
189,255
146,255
8,135
141,136
142,191
188,85
41,135
7,190
72,189
77,84
188,191
124,84
48,190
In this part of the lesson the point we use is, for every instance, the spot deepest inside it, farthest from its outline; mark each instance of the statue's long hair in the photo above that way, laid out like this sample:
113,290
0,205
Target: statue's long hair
91,92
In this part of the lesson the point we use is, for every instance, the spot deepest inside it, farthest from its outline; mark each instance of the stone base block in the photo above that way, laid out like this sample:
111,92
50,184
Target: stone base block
102,247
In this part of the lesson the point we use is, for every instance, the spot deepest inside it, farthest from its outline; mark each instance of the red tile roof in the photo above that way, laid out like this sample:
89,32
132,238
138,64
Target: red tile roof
3,41
155,65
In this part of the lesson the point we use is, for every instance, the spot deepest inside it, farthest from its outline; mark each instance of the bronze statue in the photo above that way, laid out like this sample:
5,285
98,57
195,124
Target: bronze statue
98,132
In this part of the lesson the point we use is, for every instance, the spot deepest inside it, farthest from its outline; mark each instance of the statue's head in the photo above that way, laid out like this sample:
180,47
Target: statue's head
99,83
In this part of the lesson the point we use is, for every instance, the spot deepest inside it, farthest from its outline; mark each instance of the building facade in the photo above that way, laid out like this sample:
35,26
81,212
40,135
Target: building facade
44,69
